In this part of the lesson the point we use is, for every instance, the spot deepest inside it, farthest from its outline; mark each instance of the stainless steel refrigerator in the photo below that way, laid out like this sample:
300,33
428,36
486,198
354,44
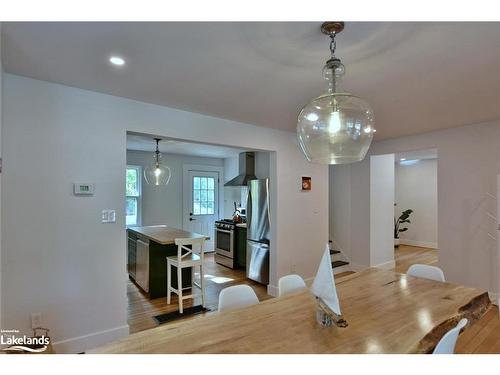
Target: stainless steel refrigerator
258,231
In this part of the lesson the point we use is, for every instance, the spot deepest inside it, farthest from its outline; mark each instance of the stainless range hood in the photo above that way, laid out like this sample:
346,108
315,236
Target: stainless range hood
246,170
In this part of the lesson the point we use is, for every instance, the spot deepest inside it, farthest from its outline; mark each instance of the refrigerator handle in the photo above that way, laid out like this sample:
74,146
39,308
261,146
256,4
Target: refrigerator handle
249,205
268,202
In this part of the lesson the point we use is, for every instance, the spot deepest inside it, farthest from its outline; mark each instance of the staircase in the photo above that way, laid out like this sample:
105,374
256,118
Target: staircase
339,264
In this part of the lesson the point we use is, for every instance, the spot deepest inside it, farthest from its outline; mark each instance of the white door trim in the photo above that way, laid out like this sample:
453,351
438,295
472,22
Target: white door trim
185,184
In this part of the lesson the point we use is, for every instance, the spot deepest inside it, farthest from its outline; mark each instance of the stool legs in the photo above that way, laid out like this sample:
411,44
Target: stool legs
179,287
169,281
202,285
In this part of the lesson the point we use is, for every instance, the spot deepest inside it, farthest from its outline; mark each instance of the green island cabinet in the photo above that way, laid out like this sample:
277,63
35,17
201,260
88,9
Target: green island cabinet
241,247
147,265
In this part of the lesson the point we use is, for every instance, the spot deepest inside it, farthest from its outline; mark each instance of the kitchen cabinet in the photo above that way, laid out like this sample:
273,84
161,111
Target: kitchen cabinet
131,254
142,264
241,246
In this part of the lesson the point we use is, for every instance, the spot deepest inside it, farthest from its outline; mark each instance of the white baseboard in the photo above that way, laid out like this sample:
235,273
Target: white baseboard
430,245
272,290
344,268
357,267
387,265
83,343
309,281
495,298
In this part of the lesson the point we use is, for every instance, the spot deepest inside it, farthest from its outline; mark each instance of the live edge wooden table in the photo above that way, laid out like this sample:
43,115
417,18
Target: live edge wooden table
386,312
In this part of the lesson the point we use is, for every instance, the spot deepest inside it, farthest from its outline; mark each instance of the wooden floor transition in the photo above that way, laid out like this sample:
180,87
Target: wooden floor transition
482,337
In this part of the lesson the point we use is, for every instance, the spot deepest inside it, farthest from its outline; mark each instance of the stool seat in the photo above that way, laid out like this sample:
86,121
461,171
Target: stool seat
185,258
195,259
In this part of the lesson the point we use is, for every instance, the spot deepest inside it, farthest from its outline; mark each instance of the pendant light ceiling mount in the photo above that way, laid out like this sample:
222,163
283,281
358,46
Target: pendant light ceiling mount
332,27
335,127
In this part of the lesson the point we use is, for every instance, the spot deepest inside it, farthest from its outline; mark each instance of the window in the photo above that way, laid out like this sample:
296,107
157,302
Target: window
133,195
203,195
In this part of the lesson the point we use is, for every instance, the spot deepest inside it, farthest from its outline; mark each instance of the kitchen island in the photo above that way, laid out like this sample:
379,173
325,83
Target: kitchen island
147,248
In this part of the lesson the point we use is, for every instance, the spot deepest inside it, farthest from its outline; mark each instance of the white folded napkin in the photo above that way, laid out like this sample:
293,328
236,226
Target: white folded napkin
324,283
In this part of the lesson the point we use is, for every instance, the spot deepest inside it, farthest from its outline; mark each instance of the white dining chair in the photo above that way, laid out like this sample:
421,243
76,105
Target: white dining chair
236,297
447,343
185,258
290,284
426,272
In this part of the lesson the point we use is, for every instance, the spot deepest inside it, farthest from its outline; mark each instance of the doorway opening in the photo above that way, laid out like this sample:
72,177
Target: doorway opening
193,201
416,189
404,209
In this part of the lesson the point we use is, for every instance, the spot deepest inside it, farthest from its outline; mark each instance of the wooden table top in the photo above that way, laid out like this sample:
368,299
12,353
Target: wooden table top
163,234
386,312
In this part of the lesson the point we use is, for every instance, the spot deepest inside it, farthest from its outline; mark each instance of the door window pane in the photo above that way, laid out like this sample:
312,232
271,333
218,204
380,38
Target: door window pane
203,195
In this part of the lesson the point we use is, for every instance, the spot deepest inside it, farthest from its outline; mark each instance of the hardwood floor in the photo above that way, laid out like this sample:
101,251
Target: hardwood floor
406,255
141,310
482,337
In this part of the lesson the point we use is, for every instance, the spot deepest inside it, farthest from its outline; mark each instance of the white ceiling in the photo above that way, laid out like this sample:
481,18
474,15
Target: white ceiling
146,143
417,76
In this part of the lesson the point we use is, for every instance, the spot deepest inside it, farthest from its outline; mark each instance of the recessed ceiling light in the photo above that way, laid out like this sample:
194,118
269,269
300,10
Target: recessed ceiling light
116,60
402,159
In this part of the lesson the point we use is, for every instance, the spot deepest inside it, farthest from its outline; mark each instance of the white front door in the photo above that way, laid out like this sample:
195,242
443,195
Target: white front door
201,209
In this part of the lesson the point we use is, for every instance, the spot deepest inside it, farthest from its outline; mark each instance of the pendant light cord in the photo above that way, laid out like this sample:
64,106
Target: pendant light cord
157,152
333,44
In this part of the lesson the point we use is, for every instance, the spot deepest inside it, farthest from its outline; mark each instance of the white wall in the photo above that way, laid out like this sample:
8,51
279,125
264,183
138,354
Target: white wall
469,160
163,204
58,259
498,242
238,193
381,211
416,188
1,117
231,193
340,209
350,211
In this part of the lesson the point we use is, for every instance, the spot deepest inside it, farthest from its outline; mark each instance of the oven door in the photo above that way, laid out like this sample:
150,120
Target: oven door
224,242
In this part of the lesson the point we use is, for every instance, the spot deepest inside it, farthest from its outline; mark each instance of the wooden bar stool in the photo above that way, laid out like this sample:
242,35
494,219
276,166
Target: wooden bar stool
186,257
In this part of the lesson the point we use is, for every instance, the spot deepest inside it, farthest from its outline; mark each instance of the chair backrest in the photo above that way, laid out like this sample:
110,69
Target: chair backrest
195,243
236,297
426,272
447,343
290,284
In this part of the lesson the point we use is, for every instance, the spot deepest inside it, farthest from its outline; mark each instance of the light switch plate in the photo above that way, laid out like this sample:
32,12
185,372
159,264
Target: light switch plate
108,216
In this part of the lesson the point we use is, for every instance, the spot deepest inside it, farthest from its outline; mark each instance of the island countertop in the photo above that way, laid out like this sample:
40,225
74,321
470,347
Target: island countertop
163,234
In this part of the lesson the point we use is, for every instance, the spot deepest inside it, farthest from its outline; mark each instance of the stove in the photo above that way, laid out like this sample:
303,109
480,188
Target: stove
225,242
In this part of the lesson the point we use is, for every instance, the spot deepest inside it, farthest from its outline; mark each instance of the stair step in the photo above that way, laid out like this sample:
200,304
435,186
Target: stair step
332,252
339,263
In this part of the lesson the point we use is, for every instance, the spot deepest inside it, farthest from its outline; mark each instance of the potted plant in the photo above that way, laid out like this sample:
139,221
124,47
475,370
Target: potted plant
402,219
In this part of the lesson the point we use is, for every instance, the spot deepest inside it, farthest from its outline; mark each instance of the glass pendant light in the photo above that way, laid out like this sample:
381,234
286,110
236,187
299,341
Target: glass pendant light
156,173
336,127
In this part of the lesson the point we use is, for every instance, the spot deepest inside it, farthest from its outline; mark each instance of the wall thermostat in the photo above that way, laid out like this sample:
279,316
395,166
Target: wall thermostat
83,189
